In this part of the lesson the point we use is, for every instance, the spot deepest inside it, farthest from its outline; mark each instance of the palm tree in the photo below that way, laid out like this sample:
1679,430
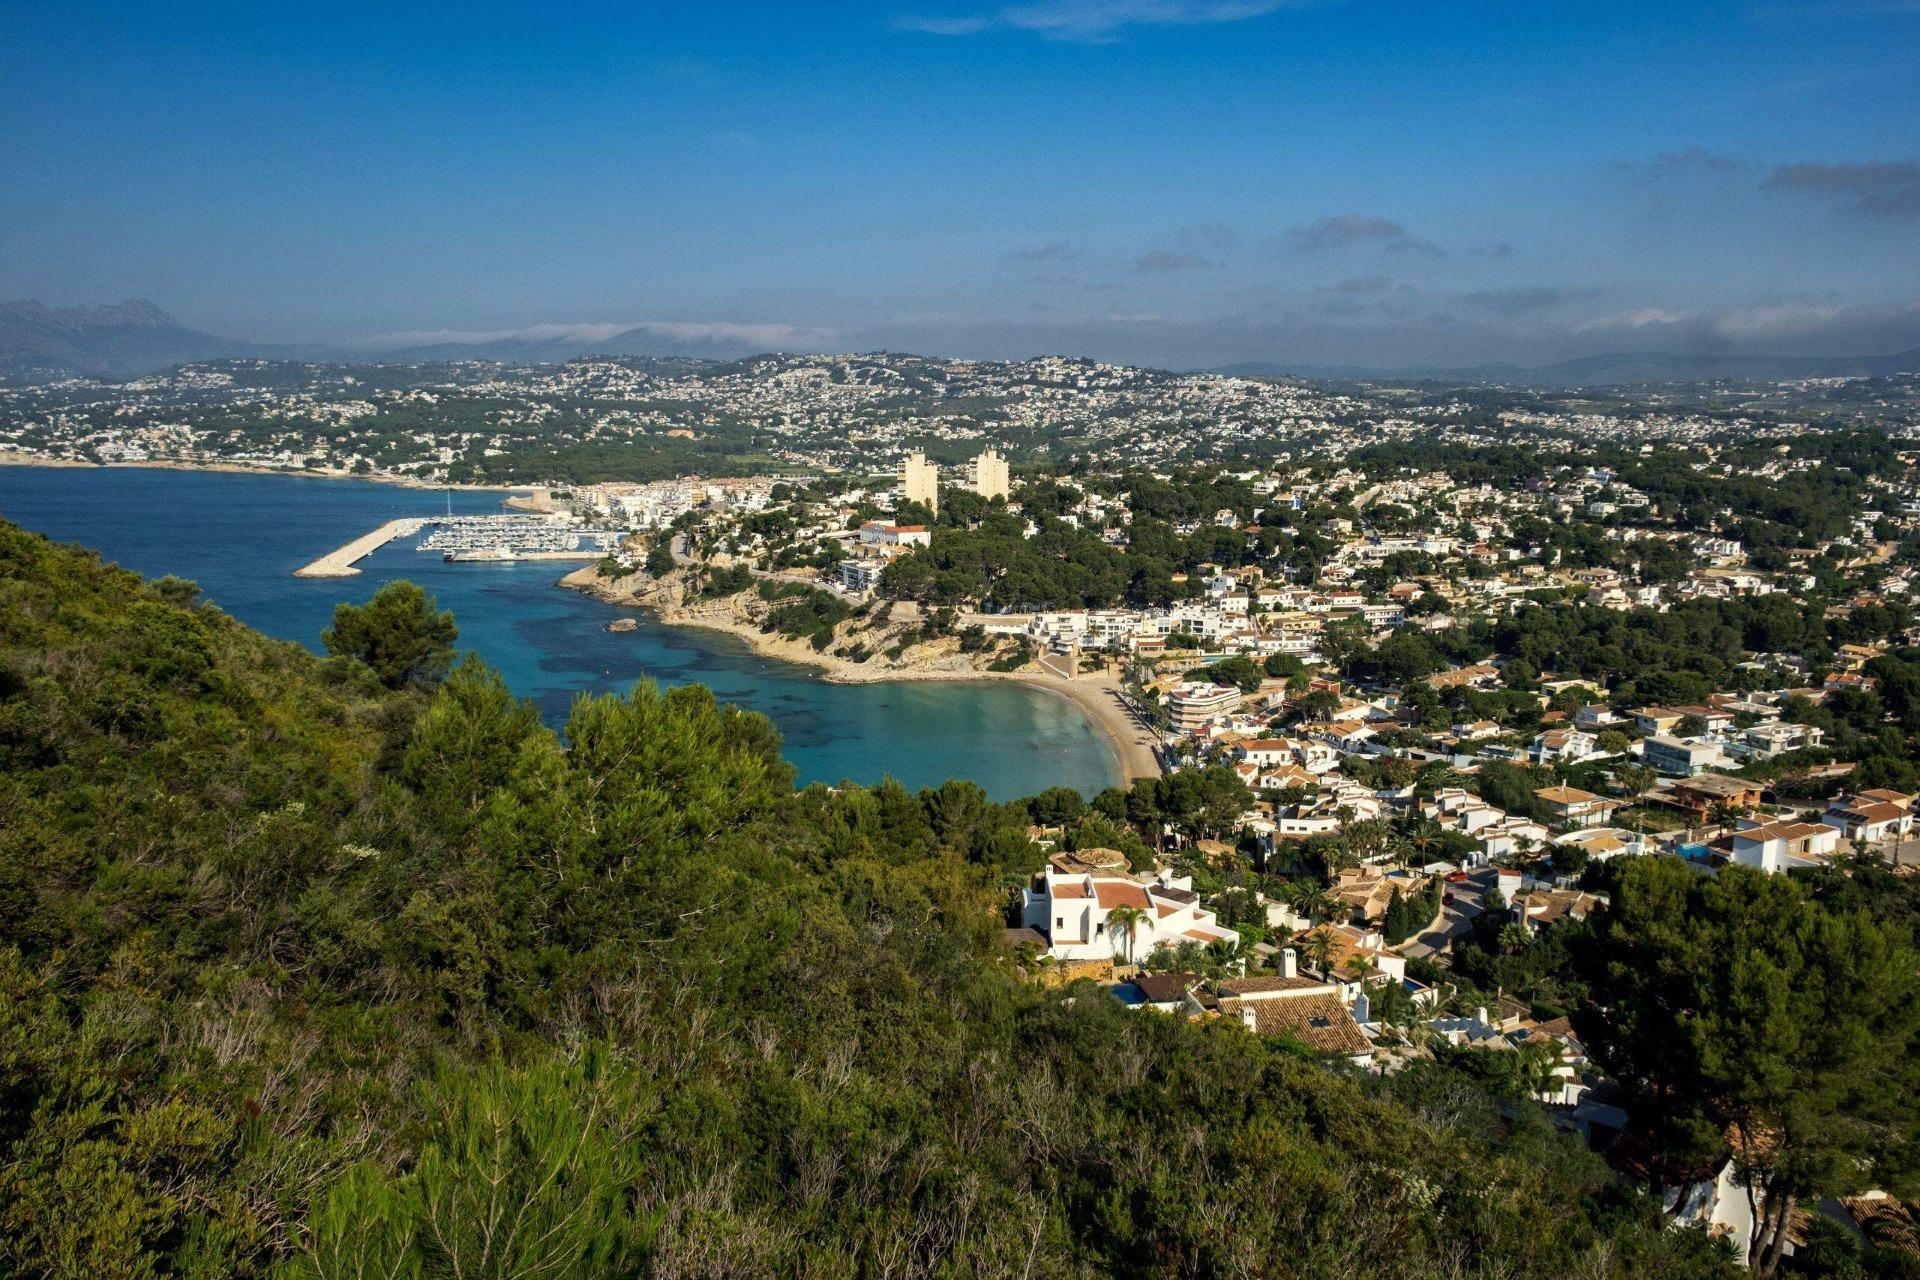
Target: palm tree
1634,779
1123,921
1436,779
1319,949
1308,899
1425,839
1724,814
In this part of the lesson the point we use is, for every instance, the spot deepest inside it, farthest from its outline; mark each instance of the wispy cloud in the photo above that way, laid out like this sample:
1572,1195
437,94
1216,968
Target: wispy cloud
1689,162
1357,229
1885,189
1358,284
1794,324
1516,302
1051,251
1169,260
1636,318
1092,21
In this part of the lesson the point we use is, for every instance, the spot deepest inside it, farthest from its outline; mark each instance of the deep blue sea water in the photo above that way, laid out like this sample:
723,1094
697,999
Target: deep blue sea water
241,536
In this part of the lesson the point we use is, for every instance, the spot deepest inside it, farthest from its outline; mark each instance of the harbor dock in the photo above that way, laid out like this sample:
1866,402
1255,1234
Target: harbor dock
340,563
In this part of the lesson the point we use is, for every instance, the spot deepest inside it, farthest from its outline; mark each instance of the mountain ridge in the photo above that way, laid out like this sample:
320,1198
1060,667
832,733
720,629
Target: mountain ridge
122,340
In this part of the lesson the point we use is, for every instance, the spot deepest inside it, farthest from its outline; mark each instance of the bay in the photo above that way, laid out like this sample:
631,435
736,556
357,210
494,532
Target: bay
240,536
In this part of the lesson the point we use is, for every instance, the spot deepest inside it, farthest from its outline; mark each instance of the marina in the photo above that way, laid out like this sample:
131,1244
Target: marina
495,539
489,539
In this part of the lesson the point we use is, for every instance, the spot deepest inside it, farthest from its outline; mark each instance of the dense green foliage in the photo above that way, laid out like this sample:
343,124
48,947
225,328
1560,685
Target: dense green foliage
301,974
1743,1016
804,613
399,634
980,550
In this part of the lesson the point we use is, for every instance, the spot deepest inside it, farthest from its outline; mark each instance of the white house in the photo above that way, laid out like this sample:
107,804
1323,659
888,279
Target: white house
1783,846
1072,901
1871,816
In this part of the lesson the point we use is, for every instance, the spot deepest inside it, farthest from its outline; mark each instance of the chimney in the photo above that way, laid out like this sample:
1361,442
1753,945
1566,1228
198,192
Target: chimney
1289,963
1362,1009
1480,1016
1247,1019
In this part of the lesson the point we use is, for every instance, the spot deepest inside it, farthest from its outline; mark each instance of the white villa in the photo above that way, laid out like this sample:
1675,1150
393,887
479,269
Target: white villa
1071,903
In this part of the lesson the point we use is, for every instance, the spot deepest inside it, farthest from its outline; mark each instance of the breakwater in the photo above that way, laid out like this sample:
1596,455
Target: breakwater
339,563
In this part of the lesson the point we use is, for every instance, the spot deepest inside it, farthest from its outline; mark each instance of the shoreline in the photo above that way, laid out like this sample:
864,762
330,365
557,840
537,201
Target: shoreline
15,458
1096,696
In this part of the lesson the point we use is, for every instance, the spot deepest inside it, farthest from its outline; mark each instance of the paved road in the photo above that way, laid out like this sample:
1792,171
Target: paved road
1469,901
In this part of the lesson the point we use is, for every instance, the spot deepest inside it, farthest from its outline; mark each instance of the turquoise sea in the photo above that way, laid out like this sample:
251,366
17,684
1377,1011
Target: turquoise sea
241,536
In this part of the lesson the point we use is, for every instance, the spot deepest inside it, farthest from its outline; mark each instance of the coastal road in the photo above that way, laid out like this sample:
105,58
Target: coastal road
1457,917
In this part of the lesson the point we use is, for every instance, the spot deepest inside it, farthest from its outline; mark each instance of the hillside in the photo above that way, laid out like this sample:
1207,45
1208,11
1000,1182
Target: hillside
312,971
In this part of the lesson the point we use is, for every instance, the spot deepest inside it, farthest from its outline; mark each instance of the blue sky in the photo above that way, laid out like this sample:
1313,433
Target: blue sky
1178,182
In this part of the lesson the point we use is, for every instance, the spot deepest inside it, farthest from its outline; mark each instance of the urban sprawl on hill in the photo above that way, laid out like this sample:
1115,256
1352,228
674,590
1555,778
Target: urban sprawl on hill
1518,860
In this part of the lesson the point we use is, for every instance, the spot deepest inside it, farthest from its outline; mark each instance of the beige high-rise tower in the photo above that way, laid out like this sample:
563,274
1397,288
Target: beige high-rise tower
920,482
987,475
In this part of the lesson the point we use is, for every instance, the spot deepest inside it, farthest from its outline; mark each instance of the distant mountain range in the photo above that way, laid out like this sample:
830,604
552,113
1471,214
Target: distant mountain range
1608,370
136,337
124,341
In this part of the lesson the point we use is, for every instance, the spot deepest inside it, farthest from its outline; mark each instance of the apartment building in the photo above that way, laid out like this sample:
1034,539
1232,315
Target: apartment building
1195,703
920,482
987,475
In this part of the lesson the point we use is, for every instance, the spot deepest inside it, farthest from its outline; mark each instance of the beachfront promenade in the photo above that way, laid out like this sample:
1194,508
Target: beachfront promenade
340,563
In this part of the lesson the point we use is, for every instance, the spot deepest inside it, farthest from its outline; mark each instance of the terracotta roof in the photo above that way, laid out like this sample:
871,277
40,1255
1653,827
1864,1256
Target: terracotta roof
1782,831
1120,893
1165,988
1069,891
1267,984
1320,1022
1566,795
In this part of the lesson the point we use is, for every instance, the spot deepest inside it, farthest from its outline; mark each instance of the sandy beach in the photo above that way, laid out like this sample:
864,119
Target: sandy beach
1097,695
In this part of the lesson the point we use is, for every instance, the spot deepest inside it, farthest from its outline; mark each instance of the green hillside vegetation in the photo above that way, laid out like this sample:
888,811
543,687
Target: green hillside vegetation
312,971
